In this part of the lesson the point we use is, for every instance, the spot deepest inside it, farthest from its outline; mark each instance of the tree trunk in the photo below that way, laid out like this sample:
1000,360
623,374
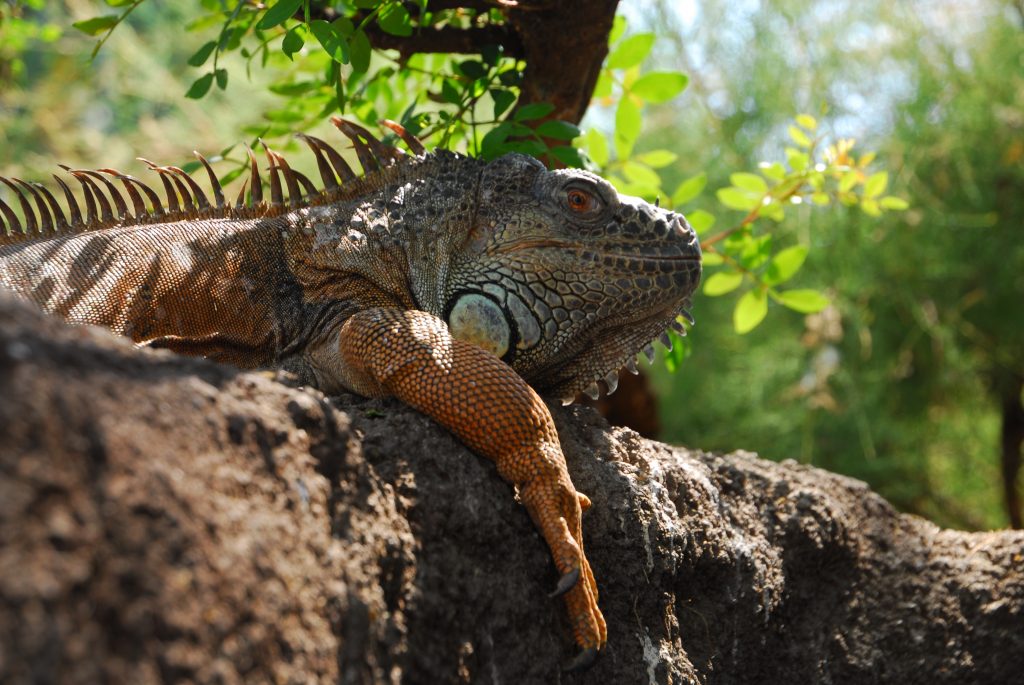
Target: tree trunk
1011,445
167,519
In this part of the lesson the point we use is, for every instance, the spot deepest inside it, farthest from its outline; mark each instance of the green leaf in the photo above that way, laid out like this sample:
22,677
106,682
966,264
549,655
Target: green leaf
359,51
893,202
748,181
394,19
279,13
603,88
222,78
560,130
734,198
689,189
700,220
750,311
774,171
503,99
799,137
569,156
641,174
334,44
870,207
848,181
797,160
618,28
474,69
201,87
200,56
807,121
712,259
450,92
293,42
97,24
784,265
534,110
722,283
657,159
805,301
659,86
627,127
630,52
876,183
597,147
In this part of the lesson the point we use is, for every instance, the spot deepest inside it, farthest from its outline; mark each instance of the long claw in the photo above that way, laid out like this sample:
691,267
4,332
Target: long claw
582,661
566,583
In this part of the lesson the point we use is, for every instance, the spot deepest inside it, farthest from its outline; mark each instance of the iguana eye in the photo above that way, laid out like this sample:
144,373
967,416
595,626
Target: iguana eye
581,201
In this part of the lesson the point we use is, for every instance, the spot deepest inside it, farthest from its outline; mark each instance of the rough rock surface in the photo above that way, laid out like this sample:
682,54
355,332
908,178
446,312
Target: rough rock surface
165,519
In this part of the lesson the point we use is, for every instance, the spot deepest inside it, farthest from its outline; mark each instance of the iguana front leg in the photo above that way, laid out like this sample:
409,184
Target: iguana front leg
412,356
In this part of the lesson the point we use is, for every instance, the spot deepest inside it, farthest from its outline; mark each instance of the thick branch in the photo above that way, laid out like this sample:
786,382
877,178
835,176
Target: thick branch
447,39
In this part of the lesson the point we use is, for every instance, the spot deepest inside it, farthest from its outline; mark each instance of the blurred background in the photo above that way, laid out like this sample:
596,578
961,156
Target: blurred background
911,380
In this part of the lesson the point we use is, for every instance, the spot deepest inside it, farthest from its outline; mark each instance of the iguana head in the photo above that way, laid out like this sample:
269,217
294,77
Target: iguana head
565,279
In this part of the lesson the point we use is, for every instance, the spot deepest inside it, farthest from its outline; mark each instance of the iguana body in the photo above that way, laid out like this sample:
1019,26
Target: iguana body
442,280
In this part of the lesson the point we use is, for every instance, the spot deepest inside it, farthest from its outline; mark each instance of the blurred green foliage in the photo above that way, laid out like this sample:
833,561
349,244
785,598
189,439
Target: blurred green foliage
902,381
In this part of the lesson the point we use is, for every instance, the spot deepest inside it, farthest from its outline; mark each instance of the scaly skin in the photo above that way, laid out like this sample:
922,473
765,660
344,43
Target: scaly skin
447,282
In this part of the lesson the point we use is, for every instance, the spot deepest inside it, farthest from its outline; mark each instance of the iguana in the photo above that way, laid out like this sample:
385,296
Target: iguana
452,283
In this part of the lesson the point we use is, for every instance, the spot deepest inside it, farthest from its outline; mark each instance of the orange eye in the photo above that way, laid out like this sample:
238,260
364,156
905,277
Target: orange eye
580,200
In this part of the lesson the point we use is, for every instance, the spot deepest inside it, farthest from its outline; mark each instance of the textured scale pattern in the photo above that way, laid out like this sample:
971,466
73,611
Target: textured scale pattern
451,283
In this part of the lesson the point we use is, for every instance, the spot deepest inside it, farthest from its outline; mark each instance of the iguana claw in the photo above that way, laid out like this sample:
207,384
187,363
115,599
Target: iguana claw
582,661
566,583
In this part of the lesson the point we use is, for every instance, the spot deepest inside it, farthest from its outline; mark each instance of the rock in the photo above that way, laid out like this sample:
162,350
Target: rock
166,519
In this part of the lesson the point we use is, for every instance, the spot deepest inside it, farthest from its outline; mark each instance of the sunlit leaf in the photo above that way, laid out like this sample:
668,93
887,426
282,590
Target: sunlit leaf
750,311
700,220
641,174
689,189
748,181
820,199
807,121
395,20
659,86
627,127
876,183
597,147
734,198
784,265
870,207
797,160
849,180
722,282
893,202
805,301
774,171
712,259
799,137
630,52
657,159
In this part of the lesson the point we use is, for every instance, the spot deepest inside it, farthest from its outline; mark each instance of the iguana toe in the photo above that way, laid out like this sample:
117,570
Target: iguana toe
582,661
566,583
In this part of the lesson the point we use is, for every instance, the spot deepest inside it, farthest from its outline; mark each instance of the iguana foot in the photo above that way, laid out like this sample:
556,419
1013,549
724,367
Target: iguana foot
566,583
582,661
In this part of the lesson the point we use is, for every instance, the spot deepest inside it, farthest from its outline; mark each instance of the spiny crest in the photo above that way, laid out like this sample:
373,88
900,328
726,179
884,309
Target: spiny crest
105,206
